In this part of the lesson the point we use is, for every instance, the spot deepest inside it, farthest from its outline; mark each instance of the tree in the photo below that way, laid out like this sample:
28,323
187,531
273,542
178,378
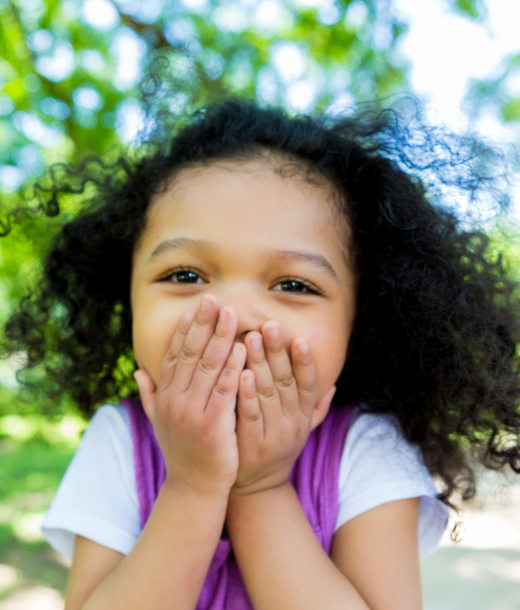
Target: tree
69,70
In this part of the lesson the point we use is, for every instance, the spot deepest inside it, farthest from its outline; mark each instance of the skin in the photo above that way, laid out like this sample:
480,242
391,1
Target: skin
236,368
240,214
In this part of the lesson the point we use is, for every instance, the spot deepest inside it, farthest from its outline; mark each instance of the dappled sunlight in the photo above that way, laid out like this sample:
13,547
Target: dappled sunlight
34,454
27,526
34,598
457,578
9,578
493,520
482,571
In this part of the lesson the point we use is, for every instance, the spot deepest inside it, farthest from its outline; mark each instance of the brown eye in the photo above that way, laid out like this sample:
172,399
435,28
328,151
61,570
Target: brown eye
184,276
295,286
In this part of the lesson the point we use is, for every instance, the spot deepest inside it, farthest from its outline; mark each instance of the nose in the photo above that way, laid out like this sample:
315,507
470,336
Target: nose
251,308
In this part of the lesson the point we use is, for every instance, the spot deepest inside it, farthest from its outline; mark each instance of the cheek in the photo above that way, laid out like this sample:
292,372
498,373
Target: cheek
152,336
329,350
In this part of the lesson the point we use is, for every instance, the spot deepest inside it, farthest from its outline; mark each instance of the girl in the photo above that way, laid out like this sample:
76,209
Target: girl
254,266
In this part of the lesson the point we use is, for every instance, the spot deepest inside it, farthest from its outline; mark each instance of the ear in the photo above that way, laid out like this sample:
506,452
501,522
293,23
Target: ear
322,408
147,392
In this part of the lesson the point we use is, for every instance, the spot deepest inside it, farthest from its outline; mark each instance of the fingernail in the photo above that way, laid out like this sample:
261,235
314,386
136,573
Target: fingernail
273,333
223,315
257,342
248,379
205,304
304,347
237,348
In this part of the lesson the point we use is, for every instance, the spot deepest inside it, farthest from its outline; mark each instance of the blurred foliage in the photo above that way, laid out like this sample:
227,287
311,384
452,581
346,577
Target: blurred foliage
68,68
502,92
34,454
473,8
69,71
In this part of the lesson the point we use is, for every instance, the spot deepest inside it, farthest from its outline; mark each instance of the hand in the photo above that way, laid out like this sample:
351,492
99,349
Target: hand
277,409
192,409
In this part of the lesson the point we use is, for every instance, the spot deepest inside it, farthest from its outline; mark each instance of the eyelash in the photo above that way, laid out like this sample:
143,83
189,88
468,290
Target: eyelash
306,284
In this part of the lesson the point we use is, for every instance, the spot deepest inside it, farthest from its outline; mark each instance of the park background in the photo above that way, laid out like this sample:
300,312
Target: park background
69,72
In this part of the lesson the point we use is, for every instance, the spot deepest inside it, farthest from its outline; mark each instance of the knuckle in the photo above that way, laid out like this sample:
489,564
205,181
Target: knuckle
268,393
228,372
183,328
222,389
188,355
252,418
224,384
183,333
171,358
207,366
310,388
277,348
202,321
257,358
285,382
220,332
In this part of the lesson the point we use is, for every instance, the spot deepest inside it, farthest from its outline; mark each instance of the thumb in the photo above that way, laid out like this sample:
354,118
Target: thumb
322,408
146,391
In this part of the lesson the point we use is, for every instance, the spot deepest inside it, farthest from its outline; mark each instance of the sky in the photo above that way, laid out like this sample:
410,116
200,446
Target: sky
448,50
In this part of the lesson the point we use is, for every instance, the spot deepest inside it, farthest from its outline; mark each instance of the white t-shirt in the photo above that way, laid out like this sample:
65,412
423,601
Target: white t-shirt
97,497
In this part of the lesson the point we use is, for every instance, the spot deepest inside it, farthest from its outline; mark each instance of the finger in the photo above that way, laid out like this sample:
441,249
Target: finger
304,373
248,406
195,343
215,355
322,407
224,394
280,366
266,391
147,392
179,336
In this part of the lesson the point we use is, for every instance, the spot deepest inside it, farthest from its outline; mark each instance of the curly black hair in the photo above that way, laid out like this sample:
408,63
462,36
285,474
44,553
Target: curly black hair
437,324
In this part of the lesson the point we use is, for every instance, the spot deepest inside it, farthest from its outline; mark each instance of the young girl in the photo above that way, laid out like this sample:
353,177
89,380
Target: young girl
254,267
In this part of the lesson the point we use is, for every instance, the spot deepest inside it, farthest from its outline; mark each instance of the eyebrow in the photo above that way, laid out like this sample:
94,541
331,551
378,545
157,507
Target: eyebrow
313,258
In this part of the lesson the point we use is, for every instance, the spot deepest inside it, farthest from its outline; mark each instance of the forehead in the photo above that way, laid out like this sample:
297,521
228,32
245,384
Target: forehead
248,203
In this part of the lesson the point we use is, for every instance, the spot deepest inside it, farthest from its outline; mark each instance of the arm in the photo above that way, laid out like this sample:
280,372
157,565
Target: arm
374,562
378,552
169,561
192,409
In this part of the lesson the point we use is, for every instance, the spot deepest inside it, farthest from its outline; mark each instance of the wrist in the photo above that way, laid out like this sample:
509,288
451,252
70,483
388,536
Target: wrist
271,481
242,507
214,494
251,492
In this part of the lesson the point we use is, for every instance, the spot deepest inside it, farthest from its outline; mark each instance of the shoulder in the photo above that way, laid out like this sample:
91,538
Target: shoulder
109,431
379,434
106,448
378,465
112,420
97,497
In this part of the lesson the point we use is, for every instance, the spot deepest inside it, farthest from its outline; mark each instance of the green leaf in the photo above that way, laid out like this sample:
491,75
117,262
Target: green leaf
472,8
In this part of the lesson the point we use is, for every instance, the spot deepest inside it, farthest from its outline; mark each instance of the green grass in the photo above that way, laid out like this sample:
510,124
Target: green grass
33,458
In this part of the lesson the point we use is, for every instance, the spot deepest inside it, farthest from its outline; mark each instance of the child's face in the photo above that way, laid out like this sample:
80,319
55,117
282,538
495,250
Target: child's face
249,236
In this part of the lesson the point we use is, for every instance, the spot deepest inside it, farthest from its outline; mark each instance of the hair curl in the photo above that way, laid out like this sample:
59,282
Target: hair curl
436,330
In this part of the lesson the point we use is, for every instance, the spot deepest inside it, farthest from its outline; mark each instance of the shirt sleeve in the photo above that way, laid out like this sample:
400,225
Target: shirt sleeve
377,466
97,497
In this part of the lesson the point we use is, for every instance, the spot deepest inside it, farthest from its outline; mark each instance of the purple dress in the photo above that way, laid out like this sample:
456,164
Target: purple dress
314,477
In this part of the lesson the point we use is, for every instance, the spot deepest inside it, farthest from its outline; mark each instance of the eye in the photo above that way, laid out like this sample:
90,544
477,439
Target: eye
183,276
296,286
